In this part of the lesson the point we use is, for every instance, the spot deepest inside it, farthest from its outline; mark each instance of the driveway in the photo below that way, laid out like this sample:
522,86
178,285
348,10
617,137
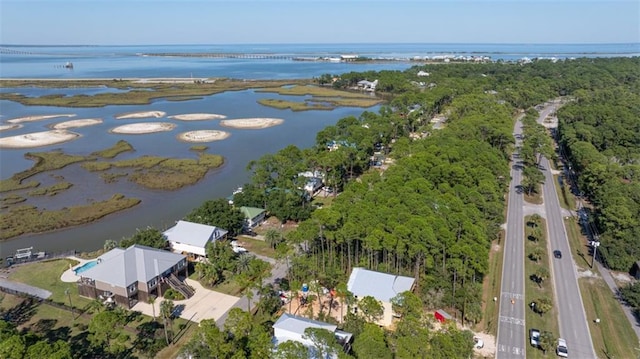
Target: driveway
205,304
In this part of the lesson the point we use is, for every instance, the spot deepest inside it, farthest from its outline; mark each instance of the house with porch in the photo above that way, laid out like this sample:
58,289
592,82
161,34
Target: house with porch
252,216
191,239
292,327
137,273
381,286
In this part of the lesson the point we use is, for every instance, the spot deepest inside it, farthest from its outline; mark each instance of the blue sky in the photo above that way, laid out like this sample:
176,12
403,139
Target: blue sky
141,22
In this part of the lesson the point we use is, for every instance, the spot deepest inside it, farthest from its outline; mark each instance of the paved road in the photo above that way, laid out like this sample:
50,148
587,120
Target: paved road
511,339
572,320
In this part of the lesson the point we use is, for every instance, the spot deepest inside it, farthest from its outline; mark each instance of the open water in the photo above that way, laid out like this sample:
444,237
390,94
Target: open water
160,208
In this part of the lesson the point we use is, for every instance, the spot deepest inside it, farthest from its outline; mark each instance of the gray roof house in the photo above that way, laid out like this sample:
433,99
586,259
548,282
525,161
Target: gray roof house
381,286
129,275
292,327
192,238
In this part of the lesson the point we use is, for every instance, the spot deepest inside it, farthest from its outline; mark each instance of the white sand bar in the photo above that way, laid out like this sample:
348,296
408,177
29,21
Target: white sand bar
9,127
38,139
145,114
252,123
77,123
145,127
37,118
203,136
197,117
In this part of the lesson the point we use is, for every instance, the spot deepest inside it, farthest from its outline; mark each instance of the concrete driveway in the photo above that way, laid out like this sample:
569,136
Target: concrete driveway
205,304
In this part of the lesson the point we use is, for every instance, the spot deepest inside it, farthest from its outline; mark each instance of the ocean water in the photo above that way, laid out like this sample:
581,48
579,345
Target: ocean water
130,61
162,209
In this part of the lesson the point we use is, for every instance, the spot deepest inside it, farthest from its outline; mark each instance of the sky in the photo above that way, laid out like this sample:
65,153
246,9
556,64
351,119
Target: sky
156,22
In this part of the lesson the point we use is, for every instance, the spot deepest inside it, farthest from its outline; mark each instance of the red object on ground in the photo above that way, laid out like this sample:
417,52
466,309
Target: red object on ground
441,315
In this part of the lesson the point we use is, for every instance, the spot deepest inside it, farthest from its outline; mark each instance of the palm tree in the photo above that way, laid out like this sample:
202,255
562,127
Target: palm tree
152,301
273,237
166,311
243,264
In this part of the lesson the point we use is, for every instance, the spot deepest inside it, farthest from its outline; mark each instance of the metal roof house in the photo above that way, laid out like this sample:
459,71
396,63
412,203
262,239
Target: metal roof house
381,286
252,216
191,238
292,327
129,275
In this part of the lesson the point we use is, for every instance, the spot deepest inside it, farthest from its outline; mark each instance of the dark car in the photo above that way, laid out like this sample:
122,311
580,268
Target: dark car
557,254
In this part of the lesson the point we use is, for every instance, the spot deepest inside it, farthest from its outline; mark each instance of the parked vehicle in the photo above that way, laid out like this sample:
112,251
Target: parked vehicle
478,343
534,337
561,349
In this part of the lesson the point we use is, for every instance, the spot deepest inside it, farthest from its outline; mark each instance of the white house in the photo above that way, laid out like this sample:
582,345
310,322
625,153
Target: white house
192,238
381,286
368,85
292,327
423,73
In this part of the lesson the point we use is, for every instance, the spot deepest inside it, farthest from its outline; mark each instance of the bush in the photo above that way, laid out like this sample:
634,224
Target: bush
172,294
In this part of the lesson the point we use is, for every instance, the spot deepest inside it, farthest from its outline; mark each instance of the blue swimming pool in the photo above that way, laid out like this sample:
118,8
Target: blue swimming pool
85,267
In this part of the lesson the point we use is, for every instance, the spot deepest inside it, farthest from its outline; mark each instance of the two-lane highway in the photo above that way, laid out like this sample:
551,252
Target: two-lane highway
511,326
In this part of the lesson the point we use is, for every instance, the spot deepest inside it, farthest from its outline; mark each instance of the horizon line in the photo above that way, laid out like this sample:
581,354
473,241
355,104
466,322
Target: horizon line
335,43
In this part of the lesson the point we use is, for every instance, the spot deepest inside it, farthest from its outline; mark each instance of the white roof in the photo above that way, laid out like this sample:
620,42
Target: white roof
124,267
381,286
295,324
194,234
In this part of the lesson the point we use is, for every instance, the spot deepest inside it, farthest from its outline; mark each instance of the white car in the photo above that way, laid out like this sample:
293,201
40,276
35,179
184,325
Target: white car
561,349
478,343
238,248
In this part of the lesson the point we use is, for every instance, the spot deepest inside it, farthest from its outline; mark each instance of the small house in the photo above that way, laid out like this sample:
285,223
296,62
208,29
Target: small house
252,216
292,327
368,85
381,286
191,238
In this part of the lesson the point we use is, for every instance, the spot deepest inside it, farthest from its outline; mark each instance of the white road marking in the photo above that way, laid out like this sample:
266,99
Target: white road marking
512,320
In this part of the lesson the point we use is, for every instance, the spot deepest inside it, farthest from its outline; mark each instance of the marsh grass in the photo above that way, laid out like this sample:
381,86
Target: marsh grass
199,148
120,147
139,92
293,105
29,219
45,161
51,190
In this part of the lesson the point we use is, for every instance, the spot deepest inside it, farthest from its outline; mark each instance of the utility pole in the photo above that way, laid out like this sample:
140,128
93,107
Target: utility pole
595,245
68,293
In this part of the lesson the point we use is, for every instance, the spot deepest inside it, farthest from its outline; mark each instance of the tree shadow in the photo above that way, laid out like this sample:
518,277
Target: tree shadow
22,312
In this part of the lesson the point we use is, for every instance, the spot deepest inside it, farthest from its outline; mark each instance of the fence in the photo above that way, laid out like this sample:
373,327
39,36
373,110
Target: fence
37,257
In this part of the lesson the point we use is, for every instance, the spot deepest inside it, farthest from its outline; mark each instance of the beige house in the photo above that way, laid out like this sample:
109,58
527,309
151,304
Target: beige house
381,286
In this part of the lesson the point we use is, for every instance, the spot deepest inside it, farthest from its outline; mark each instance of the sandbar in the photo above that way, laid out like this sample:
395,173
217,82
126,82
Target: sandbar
76,123
198,117
252,123
38,139
9,127
203,136
144,114
142,128
37,118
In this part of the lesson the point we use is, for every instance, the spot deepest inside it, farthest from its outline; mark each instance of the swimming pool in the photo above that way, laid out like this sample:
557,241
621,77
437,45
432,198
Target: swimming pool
85,267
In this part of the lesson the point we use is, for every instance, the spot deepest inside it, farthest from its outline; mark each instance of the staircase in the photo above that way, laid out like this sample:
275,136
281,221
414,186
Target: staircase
183,288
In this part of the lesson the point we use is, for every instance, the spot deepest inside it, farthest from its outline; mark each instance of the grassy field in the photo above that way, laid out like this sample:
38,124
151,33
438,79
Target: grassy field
534,291
257,246
613,337
491,288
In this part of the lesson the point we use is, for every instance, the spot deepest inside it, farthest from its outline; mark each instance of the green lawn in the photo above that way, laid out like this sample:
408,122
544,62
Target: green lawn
491,288
534,291
46,275
613,337
257,246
